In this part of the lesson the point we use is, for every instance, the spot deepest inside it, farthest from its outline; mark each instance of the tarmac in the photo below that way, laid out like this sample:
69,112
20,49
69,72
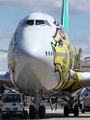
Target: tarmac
58,115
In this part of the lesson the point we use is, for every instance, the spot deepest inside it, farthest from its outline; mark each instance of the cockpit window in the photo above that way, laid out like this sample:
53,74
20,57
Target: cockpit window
39,22
23,23
47,23
30,22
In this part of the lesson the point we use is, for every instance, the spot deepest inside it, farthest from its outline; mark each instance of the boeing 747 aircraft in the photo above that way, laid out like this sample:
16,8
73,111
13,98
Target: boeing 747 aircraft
44,64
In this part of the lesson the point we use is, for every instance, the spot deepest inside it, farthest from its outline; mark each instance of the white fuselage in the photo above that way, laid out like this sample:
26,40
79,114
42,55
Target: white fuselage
30,57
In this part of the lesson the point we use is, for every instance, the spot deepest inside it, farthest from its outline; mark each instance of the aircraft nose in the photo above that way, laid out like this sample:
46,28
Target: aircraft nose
35,54
33,50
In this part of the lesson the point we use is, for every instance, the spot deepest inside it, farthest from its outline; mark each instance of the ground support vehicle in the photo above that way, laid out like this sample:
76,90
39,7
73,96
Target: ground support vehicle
86,104
12,105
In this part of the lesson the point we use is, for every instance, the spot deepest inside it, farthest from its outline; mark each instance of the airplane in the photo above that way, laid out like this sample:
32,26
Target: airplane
44,64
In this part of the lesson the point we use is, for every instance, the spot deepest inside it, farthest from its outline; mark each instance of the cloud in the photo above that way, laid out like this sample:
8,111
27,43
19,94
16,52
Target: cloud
5,37
48,6
88,39
79,6
84,43
0,31
3,61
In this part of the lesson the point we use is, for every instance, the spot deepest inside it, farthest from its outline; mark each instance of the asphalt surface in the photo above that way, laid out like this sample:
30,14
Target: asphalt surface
58,115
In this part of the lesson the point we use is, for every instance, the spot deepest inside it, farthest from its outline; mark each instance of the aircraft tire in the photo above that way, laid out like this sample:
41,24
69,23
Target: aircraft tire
80,106
3,117
83,111
42,112
66,113
32,112
25,114
76,111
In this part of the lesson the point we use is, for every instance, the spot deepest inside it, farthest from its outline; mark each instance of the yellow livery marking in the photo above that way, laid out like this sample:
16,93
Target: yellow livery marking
64,77
73,82
77,83
69,83
57,36
58,68
64,56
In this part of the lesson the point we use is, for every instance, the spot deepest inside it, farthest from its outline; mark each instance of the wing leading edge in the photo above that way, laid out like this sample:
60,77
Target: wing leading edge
6,51
5,78
80,79
76,80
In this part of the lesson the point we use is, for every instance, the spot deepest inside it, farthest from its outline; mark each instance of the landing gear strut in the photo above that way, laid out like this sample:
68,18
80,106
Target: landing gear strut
69,108
36,107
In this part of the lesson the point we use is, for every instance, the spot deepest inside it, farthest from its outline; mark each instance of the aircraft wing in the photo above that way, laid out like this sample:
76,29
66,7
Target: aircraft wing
4,75
80,79
5,78
1,50
85,79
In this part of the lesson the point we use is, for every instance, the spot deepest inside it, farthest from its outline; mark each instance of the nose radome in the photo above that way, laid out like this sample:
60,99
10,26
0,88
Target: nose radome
35,54
34,50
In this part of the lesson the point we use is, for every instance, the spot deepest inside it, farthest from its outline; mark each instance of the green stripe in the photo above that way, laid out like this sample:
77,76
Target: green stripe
62,13
66,26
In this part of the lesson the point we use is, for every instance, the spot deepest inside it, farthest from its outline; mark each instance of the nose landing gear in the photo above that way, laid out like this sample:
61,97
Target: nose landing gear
36,107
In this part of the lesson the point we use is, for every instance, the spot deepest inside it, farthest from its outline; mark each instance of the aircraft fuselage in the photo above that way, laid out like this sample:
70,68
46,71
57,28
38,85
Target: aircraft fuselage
40,54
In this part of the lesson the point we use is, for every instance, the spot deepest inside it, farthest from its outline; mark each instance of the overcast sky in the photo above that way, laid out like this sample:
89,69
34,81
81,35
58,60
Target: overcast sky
12,11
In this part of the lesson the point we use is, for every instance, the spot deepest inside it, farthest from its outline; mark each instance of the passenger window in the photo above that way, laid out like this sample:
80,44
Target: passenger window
39,22
30,22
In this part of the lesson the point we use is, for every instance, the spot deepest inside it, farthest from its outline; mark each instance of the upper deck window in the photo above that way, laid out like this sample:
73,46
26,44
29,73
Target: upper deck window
30,22
39,22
